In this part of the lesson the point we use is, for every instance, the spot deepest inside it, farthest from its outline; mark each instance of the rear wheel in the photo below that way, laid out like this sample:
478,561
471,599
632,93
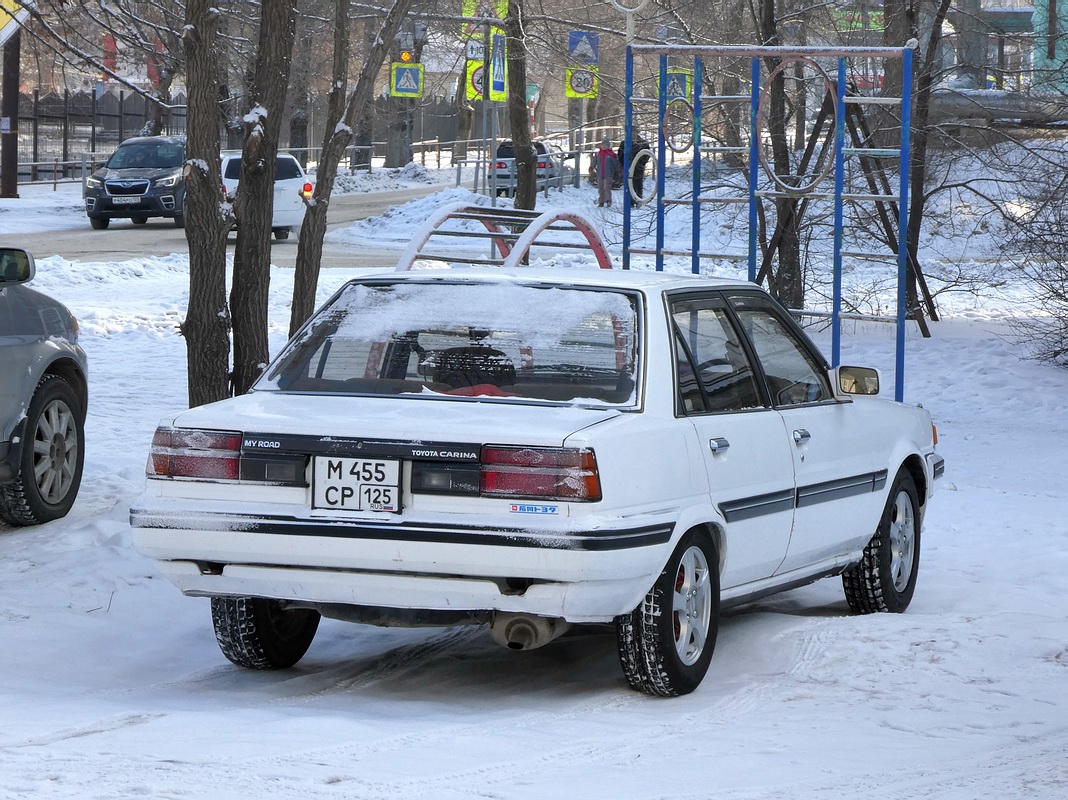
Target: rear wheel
281,233
666,643
139,220
258,633
50,468
885,578
99,223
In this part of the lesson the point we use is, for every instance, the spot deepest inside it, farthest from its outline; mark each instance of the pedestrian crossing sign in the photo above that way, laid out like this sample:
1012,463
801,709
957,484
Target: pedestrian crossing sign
679,84
405,80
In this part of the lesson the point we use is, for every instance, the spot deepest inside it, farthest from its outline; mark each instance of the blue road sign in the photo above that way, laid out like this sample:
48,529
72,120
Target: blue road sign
583,47
406,80
498,75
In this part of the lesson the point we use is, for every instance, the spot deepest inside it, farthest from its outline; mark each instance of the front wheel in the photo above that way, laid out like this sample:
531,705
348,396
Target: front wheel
179,220
885,578
258,633
281,233
50,468
99,223
666,643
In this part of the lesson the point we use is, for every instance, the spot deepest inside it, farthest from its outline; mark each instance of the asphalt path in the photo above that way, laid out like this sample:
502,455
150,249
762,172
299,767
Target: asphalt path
123,240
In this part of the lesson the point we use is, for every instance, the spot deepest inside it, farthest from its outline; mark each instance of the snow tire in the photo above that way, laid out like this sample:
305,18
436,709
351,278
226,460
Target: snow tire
885,578
666,644
50,466
258,633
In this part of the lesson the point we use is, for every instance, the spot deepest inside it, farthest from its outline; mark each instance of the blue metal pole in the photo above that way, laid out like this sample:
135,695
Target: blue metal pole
903,220
698,80
754,161
839,215
661,165
628,127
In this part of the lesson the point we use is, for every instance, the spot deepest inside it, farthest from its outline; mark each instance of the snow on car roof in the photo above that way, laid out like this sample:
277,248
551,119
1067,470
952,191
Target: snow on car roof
642,280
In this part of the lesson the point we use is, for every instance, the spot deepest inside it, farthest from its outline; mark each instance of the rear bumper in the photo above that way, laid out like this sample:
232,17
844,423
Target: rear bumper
581,576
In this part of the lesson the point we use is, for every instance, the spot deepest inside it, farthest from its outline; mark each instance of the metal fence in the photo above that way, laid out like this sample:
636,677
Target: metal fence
56,129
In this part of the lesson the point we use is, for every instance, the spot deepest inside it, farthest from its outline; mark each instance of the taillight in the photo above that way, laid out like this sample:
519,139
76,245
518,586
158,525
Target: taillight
542,473
934,434
501,165
307,190
195,454
541,165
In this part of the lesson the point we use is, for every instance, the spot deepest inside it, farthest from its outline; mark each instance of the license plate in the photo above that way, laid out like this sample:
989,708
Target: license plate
356,484
126,201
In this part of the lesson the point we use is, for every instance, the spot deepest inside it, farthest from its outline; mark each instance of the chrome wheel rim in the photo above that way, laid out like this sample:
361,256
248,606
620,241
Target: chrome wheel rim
55,452
902,540
691,605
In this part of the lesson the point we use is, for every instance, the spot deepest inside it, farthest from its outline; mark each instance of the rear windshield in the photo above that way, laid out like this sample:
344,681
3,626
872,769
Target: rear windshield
285,169
147,155
519,343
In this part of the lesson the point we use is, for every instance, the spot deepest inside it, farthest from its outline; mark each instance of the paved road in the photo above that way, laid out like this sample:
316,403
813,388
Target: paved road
159,237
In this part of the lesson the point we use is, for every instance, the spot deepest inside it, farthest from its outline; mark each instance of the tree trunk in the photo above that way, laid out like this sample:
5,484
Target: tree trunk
465,119
339,131
207,322
788,285
299,95
925,71
518,114
255,192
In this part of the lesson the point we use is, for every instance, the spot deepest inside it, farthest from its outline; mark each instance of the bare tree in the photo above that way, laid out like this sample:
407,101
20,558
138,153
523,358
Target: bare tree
207,323
342,116
518,114
255,193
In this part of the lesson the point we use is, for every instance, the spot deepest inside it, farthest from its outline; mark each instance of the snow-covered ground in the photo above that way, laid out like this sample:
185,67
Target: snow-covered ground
111,685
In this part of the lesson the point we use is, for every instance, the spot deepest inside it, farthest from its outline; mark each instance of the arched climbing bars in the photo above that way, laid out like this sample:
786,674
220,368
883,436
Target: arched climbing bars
511,233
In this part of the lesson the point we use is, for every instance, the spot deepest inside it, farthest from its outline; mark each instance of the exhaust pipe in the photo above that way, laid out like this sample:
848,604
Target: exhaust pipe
520,632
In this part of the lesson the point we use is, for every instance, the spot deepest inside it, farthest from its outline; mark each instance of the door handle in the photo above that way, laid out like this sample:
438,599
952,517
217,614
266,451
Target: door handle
718,445
801,436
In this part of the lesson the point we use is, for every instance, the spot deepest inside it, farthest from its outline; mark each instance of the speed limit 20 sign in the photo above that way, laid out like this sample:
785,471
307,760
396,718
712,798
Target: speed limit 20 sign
581,82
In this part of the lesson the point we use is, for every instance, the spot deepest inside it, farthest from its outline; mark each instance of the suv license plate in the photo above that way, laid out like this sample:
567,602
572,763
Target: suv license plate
126,201
356,484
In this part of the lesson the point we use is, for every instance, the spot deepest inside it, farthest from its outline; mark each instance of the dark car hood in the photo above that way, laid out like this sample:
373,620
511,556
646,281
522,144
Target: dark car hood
106,174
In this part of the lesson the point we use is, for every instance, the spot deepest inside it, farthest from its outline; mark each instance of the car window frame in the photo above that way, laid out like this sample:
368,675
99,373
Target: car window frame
806,346
716,299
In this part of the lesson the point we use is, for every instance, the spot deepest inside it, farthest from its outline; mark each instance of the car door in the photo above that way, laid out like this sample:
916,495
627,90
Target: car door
838,449
747,457
288,182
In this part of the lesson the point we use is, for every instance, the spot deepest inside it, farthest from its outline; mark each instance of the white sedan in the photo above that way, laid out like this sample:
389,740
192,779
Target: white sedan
532,449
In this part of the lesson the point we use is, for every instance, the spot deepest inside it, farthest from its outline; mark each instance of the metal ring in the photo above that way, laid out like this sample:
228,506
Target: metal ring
641,200
688,142
620,7
762,155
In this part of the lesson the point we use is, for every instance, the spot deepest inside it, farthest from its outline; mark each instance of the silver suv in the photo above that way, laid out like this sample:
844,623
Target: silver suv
43,397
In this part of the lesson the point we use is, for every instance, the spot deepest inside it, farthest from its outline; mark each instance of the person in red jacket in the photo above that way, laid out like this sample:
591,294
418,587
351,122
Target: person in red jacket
608,169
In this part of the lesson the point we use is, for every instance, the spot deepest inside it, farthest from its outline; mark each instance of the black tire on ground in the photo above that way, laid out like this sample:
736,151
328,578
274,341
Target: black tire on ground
666,643
99,223
257,633
139,220
885,578
179,220
50,469
281,233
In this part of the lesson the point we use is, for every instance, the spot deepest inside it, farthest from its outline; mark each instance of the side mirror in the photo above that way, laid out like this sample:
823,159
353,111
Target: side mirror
16,266
856,380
